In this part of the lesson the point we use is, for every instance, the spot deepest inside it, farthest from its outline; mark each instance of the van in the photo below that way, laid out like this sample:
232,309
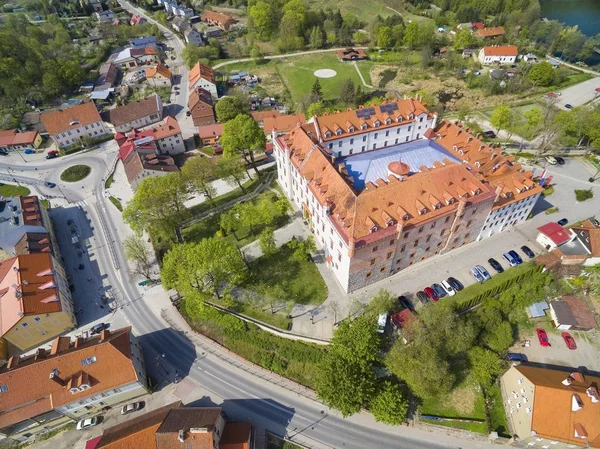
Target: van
381,322
510,259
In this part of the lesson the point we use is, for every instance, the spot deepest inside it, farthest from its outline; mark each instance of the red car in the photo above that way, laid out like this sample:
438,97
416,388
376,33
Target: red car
431,294
570,341
542,336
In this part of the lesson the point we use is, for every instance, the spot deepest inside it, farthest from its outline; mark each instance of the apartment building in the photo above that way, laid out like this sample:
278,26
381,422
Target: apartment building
136,114
71,380
382,191
69,126
200,106
160,138
203,76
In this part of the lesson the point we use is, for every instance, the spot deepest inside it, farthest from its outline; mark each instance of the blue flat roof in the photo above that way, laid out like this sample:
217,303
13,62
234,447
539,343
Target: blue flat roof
372,165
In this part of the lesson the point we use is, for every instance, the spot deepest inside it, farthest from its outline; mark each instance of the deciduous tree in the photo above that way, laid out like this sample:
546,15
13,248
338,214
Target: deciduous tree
198,173
243,137
233,170
138,252
503,118
389,405
542,74
485,365
266,240
228,108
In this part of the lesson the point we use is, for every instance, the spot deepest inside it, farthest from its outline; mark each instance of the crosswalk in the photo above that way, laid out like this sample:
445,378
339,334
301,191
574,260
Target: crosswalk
81,203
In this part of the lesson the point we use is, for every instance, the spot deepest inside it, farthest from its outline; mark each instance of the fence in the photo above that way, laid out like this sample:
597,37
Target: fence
223,207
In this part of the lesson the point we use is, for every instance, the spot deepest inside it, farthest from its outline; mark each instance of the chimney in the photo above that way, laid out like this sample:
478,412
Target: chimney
578,377
104,335
54,376
180,436
78,342
40,354
13,362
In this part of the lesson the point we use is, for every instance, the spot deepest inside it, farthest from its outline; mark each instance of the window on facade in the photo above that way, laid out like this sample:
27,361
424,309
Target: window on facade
473,211
389,255
406,235
421,229
351,141
447,219
387,133
468,223
416,243
412,255
396,142
428,238
385,143
427,249
374,146
421,119
443,232
364,138
457,228
376,135
351,151
392,242
455,240
406,139
409,128
340,144
368,275
439,244
375,248
24,324
403,248
382,269
372,261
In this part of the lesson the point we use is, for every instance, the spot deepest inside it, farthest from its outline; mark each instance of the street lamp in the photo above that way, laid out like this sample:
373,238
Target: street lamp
8,169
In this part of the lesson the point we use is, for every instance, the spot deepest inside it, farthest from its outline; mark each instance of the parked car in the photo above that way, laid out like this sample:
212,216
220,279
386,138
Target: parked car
86,423
560,160
52,154
29,151
569,341
551,160
490,134
595,222
381,322
516,357
98,328
562,221
477,275
448,288
510,259
439,291
568,106
423,297
542,337
528,251
486,275
515,254
405,303
49,184
495,265
431,294
130,408
455,283
188,113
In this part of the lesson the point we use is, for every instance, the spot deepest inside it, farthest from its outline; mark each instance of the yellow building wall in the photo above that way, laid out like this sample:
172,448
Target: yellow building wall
39,329
37,141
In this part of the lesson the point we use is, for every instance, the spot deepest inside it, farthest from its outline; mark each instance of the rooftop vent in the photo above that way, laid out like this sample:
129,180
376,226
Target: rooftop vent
199,430
180,436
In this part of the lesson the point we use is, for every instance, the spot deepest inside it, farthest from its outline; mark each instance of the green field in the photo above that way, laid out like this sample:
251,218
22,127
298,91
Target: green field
7,190
362,9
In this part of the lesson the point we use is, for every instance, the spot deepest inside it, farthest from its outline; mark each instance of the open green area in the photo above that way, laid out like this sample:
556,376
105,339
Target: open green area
109,181
496,412
75,173
290,358
12,190
370,8
116,202
299,281
477,427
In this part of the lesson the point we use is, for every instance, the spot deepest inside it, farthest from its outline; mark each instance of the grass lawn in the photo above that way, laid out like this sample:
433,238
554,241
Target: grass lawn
241,237
297,75
498,421
109,181
116,202
477,427
301,281
11,190
75,173
362,9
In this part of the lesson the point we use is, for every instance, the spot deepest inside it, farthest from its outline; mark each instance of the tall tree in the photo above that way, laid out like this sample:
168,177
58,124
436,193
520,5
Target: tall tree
542,74
266,240
263,19
138,252
243,137
385,37
389,405
348,93
316,39
502,119
485,366
198,173
316,91
233,170
228,108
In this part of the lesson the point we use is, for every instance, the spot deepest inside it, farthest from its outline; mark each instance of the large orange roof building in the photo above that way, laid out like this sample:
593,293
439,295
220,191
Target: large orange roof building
387,186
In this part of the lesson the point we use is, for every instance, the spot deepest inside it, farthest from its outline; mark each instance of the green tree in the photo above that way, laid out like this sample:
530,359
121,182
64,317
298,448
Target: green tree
348,92
389,404
465,39
232,170
191,54
316,91
500,338
200,270
502,118
385,37
485,366
266,239
263,19
198,173
302,248
316,39
228,108
381,303
360,38
533,119
157,206
411,35
542,74
138,252
243,137
315,109
357,341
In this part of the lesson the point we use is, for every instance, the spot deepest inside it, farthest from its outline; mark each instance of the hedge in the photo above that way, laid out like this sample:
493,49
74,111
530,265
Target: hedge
474,294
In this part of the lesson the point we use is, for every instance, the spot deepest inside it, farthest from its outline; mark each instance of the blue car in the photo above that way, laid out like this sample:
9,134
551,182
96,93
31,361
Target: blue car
483,272
29,151
516,256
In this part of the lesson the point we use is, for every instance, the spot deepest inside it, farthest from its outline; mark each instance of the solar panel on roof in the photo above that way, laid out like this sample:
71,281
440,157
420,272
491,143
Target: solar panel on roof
371,111
359,113
394,106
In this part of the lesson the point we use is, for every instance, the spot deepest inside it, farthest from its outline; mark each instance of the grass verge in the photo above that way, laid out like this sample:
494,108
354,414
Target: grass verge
75,173
116,202
11,190
109,181
477,427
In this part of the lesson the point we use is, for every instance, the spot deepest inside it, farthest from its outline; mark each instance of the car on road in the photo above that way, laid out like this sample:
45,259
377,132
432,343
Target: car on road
455,283
422,296
52,154
486,275
98,328
568,106
516,256
405,303
188,113
381,322
490,134
437,288
516,357
542,337
569,341
448,288
560,160
130,408
551,160
87,423
49,184
510,259
528,252
431,294
495,265
562,221
477,275
595,222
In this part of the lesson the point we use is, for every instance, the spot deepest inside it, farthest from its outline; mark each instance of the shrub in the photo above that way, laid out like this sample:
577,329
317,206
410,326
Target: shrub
551,210
582,195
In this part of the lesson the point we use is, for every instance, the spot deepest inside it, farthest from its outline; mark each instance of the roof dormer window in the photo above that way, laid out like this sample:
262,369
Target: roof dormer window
74,390
363,126
422,211
405,217
411,116
376,123
399,119
373,229
388,121
391,223
338,132
450,201
437,205
351,129
328,134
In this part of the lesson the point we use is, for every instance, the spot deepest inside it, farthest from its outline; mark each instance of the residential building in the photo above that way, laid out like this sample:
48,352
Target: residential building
69,126
15,140
136,20
200,106
136,114
260,116
203,76
193,37
144,42
95,4
351,54
163,138
552,235
159,75
36,303
557,408
498,54
180,24
108,76
223,21
74,379
589,236
210,134
572,313
281,124
530,58
385,187
490,33
516,193
139,166
104,16
136,57
176,426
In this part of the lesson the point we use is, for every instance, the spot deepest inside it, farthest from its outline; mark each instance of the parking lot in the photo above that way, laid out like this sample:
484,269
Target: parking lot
578,94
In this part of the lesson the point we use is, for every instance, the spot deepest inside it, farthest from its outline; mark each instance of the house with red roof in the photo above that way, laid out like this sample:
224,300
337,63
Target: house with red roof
498,54
552,235
13,139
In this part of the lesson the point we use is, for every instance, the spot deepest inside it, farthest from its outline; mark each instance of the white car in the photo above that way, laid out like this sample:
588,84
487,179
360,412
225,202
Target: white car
130,408
88,422
551,160
381,322
448,288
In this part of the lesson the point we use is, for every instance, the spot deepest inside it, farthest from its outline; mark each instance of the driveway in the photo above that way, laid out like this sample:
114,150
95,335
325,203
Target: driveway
579,94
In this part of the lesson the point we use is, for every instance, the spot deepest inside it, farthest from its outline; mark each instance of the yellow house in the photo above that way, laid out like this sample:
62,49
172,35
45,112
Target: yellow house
35,301
12,139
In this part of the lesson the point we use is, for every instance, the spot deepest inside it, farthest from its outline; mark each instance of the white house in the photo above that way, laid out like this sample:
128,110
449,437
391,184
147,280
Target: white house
105,16
552,235
67,127
203,76
193,37
498,54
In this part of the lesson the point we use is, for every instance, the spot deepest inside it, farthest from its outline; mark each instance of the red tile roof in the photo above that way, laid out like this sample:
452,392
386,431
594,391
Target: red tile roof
500,50
490,32
134,111
159,69
209,131
282,123
555,232
72,118
12,137
200,71
222,20
236,435
351,54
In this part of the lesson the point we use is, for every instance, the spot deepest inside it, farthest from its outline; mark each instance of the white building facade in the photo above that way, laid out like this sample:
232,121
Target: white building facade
508,216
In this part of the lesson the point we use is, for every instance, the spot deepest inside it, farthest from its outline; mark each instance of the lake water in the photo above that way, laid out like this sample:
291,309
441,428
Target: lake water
585,13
